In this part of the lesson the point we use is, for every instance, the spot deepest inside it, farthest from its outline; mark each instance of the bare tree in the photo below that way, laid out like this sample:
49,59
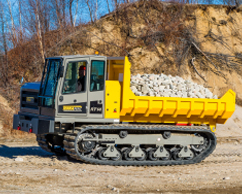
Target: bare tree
4,60
73,18
63,11
38,28
58,13
20,22
93,9
13,30
3,29
74,22
70,12
96,8
116,4
60,8
236,3
90,9
108,6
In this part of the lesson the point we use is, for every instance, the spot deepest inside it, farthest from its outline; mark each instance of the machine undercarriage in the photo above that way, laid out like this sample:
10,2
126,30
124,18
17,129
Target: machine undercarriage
134,145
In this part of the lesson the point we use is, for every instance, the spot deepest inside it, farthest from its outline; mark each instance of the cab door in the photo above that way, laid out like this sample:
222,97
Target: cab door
96,90
72,99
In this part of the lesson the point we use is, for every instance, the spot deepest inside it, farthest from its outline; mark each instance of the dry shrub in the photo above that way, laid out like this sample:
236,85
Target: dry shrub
163,24
6,121
238,101
7,126
6,113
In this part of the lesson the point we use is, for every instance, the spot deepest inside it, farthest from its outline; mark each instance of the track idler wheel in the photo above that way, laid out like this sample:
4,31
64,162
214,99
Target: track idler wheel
119,157
126,152
192,155
144,157
175,154
177,157
167,157
100,154
151,153
200,148
86,146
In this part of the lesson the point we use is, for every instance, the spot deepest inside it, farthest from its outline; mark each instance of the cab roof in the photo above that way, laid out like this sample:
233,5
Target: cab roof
77,56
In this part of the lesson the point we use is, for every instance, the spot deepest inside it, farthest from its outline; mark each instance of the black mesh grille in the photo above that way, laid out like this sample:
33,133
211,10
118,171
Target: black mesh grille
29,100
43,126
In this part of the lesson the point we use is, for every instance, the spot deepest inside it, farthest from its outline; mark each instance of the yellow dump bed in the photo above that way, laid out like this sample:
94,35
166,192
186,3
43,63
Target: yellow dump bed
147,109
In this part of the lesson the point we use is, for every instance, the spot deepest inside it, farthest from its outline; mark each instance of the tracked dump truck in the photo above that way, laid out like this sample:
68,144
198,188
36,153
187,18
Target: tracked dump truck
83,107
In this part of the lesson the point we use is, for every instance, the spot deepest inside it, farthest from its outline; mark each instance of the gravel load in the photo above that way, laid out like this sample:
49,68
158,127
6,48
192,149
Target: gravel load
161,85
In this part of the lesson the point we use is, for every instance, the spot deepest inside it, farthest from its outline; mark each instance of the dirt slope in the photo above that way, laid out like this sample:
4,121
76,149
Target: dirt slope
233,126
5,111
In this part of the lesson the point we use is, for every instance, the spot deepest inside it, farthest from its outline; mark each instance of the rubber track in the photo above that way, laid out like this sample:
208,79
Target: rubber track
71,149
42,143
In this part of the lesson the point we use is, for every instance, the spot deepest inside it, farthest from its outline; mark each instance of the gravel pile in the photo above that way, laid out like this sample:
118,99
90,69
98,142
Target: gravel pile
167,86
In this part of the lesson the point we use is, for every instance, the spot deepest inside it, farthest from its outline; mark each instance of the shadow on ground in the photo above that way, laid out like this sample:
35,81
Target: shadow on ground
13,152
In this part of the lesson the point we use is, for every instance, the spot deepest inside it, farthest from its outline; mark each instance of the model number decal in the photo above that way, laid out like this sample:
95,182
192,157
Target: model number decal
96,107
72,108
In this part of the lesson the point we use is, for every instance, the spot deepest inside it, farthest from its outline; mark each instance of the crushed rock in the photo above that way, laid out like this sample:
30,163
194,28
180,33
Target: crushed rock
161,85
226,178
18,159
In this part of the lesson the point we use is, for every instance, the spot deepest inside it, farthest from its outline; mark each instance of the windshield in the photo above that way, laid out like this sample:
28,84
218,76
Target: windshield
49,81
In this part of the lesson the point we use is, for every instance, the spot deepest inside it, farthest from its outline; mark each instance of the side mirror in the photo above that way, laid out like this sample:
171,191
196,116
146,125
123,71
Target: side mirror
61,71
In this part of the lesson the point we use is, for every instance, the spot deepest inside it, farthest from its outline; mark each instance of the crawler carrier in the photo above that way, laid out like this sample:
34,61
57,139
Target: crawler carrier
107,124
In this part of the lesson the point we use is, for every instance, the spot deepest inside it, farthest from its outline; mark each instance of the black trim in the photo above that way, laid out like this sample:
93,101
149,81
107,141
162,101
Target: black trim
56,83
43,73
28,95
46,78
43,89
30,104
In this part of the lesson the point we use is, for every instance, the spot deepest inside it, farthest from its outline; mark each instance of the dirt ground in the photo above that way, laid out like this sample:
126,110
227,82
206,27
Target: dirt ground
25,168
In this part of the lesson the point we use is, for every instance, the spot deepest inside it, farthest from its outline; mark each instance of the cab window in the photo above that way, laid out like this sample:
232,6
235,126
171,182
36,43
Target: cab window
97,76
75,78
